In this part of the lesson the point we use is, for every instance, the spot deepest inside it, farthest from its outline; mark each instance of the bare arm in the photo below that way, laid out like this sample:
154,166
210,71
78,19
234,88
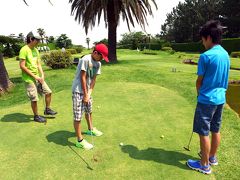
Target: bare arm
84,86
199,83
40,70
25,69
92,85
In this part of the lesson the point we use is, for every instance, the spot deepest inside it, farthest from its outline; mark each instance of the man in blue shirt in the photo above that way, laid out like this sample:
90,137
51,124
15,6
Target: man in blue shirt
211,85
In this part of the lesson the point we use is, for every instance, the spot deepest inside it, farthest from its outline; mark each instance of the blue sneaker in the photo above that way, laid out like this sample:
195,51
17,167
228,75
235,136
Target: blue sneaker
212,160
196,165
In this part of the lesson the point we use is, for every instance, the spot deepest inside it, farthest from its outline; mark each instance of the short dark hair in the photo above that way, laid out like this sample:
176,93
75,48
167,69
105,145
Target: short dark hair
213,29
30,39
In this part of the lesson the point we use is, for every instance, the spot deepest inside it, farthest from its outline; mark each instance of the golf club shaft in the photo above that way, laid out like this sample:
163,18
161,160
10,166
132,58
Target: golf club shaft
190,140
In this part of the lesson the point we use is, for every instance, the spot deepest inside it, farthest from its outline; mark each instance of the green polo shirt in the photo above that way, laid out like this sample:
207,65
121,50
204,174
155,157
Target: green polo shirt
32,57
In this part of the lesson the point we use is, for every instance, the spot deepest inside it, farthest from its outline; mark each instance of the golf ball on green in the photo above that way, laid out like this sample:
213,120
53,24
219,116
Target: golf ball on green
162,136
121,144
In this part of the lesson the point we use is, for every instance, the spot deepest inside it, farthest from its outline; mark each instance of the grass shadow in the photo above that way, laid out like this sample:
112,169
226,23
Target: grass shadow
17,117
61,138
158,155
17,80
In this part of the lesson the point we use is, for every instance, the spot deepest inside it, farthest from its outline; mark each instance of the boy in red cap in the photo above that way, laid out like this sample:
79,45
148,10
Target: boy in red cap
88,68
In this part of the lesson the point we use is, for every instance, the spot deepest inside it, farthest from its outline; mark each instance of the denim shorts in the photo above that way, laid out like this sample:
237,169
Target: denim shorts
207,118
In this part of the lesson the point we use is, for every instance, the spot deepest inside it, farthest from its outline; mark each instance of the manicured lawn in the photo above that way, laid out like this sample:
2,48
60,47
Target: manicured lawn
135,102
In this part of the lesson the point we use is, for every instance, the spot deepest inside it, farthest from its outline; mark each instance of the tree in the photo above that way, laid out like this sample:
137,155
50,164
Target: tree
133,40
90,11
21,36
230,17
5,83
88,41
41,33
104,41
183,23
63,41
50,39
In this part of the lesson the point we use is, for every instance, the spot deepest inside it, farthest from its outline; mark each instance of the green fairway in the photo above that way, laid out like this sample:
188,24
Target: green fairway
136,102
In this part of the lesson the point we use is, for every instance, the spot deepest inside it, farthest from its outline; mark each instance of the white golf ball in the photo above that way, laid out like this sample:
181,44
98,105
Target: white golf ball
162,136
121,144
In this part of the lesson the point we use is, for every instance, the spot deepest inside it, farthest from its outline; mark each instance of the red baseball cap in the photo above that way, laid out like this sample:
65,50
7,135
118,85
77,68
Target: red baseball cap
103,49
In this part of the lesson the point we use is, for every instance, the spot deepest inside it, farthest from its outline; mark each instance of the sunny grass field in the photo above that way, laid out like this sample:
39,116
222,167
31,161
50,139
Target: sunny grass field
136,102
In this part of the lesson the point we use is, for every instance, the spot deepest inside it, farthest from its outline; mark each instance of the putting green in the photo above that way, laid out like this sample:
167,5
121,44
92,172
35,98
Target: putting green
135,114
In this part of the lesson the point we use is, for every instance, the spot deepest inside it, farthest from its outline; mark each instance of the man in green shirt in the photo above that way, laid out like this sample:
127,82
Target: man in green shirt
33,76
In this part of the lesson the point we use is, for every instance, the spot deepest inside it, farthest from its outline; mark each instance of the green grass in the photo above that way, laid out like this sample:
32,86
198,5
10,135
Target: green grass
135,102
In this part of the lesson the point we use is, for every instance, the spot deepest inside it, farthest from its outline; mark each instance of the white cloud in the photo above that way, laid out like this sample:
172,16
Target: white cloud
17,18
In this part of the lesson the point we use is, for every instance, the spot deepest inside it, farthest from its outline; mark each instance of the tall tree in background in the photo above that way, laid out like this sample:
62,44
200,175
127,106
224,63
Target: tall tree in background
41,33
63,41
133,40
231,17
183,23
88,11
88,41
21,36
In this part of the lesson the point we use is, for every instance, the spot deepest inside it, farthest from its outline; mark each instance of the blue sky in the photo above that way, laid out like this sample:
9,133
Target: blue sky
17,18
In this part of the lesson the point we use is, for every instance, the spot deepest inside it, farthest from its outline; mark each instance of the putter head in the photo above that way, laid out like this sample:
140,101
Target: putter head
187,148
89,168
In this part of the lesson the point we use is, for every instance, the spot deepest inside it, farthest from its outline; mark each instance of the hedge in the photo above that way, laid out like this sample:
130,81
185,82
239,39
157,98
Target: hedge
230,45
141,46
235,54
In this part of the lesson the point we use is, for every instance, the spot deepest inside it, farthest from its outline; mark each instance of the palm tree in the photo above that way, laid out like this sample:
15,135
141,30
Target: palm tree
41,33
21,36
5,83
90,11
87,41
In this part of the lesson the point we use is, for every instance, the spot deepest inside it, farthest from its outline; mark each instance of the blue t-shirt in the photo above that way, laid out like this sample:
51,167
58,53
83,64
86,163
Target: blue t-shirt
214,66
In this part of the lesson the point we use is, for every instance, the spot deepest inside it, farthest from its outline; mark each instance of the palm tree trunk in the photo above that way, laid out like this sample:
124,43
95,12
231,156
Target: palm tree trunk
112,32
5,83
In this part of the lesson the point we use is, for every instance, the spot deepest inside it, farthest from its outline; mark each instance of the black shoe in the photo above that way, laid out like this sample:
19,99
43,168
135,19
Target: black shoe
39,119
49,111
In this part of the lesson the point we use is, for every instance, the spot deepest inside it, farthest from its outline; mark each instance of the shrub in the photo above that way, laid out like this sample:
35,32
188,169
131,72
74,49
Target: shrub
231,44
235,54
8,51
72,51
172,52
166,49
52,46
149,52
57,59
152,46
78,48
166,44
188,47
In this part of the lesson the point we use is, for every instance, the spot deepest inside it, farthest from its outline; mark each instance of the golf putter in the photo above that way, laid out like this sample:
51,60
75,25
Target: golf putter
88,113
88,166
188,146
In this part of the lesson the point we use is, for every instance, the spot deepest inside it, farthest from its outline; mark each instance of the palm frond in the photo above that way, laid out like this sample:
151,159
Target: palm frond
89,12
25,2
